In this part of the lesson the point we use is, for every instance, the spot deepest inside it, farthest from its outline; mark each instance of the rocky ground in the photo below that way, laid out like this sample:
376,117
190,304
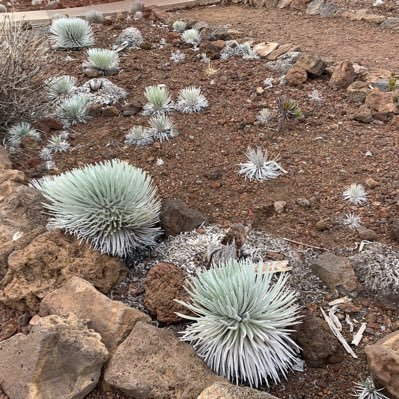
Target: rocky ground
350,136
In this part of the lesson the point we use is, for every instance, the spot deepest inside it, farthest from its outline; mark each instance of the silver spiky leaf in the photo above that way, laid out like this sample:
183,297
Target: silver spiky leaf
59,86
139,137
191,100
242,322
112,205
258,166
191,36
71,33
367,390
162,127
179,26
352,220
57,143
74,109
17,132
129,38
159,100
106,61
355,194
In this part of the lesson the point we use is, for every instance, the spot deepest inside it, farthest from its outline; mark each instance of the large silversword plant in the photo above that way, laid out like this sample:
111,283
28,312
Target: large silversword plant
112,205
242,322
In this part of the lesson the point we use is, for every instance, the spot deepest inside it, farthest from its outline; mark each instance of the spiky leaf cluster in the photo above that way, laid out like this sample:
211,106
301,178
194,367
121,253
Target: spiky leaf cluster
59,86
159,100
352,220
17,132
287,109
191,36
258,166
94,16
58,143
367,390
191,100
71,33
162,127
177,56
106,61
179,26
139,136
111,205
355,194
130,38
74,109
265,115
234,49
242,322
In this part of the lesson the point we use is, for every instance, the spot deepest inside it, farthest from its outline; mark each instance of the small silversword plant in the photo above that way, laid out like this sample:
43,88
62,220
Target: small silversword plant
17,132
106,61
159,100
191,100
367,390
265,115
112,205
355,194
46,154
258,166
179,26
243,316
74,109
352,220
71,33
57,143
191,36
94,16
60,86
130,37
139,136
177,56
162,127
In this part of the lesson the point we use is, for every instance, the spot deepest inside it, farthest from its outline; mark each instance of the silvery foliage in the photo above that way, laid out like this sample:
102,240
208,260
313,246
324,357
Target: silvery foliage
179,26
258,167
74,110
105,93
112,205
315,96
159,100
136,7
94,16
57,143
177,56
129,38
283,63
17,132
242,321
50,165
3,8
191,36
106,61
139,136
352,220
159,162
71,33
265,115
355,194
268,83
46,154
191,99
60,86
162,127
205,58
234,49
367,390
378,3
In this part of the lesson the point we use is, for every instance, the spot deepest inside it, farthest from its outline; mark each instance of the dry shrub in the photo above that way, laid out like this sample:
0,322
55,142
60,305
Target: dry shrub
24,57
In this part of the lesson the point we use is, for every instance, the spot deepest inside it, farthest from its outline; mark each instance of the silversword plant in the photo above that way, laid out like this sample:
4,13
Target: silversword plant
258,166
191,99
17,132
138,15
367,390
71,33
355,194
129,37
162,127
265,115
242,321
106,61
268,83
94,16
315,96
139,136
57,143
191,36
159,100
74,109
177,56
60,86
352,220
112,205
179,26
46,154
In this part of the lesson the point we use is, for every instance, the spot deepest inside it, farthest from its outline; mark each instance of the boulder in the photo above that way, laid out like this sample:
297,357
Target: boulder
329,10
363,114
318,343
224,33
59,358
380,101
314,7
153,363
357,92
111,319
177,217
343,75
50,260
284,4
312,64
337,274
280,50
212,49
224,390
383,361
164,283
296,76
